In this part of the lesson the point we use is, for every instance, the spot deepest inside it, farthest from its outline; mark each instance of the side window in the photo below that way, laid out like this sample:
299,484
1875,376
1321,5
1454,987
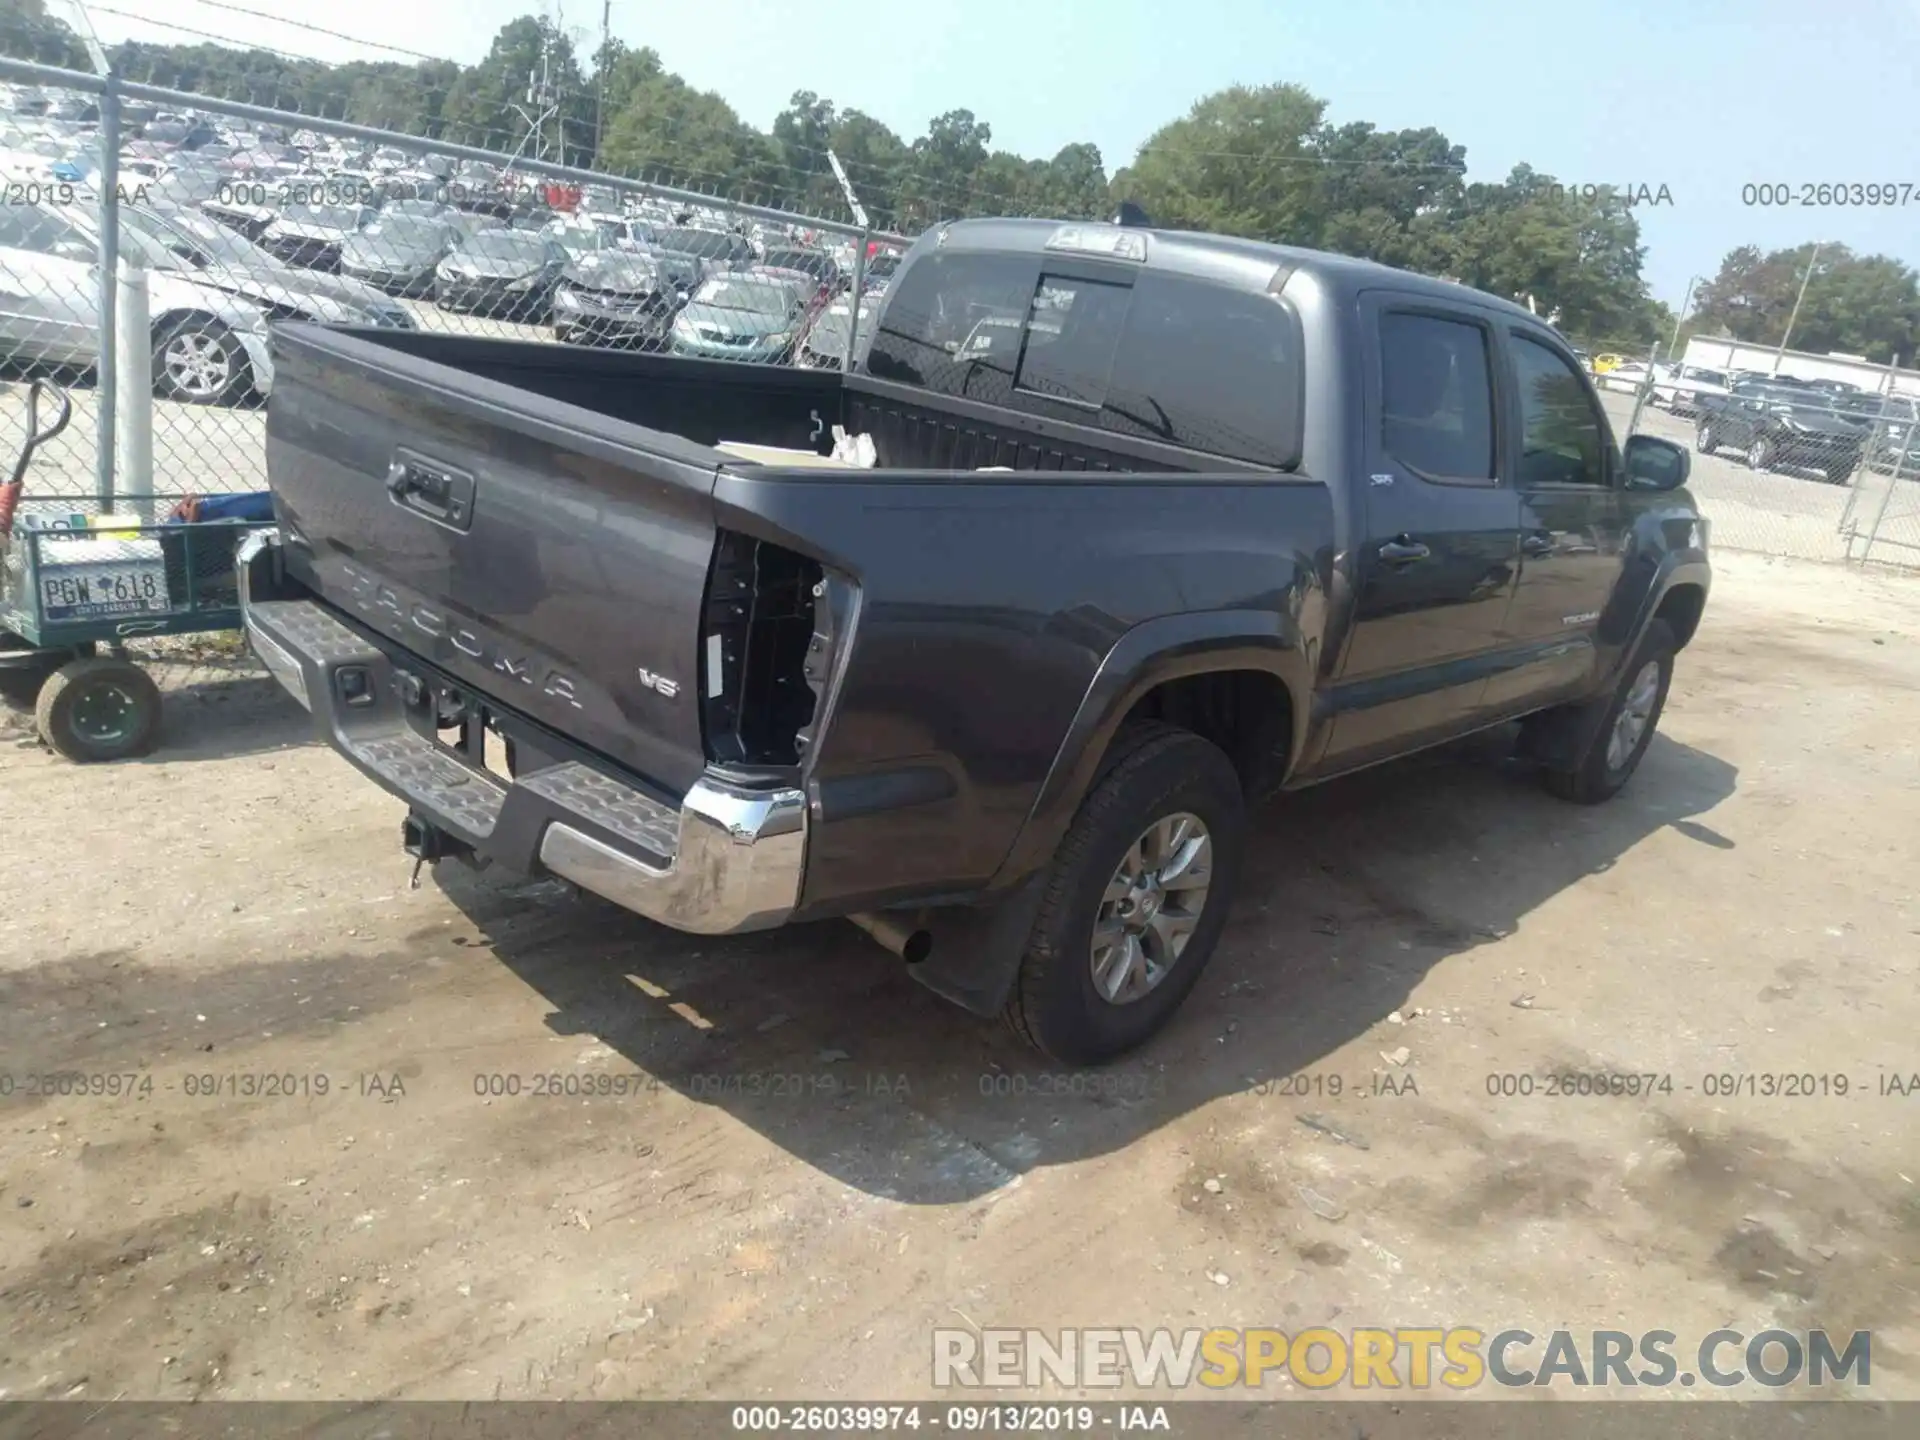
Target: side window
1563,441
1436,413
25,227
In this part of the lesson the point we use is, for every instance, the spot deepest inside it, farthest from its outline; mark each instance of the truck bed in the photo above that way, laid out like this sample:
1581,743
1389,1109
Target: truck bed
665,612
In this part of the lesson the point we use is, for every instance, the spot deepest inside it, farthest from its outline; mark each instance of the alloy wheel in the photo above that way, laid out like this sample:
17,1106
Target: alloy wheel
197,364
1636,713
1151,907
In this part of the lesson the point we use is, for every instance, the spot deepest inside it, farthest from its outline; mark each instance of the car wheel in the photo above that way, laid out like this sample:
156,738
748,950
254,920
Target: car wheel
1626,726
563,336
199,361
1704,439
1760,454
1136,898
98,709
1842,474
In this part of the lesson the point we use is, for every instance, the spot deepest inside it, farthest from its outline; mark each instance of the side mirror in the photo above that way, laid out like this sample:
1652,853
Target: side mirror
1656,464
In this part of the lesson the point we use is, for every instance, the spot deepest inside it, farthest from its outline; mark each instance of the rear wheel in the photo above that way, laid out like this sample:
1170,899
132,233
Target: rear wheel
1136,899
99,709
200,361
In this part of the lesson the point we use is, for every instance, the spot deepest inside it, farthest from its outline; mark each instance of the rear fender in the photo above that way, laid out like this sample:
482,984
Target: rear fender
1150,654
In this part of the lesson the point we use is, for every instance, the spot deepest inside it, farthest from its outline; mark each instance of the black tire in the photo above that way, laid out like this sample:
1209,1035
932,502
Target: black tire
1597,776
1152,772
1703,440
1842,474
1760,453
99,709
213,344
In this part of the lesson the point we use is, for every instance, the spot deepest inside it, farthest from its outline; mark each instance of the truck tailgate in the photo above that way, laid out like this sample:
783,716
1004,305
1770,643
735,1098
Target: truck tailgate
543,555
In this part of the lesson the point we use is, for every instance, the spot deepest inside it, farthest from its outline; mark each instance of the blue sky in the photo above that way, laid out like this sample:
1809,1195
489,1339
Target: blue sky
1622,92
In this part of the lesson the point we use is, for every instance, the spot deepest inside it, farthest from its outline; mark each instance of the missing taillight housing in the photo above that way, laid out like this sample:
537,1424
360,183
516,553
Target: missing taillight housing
758,690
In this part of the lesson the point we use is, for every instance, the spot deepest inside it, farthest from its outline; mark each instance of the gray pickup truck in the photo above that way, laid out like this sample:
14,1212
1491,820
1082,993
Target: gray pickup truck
1160,523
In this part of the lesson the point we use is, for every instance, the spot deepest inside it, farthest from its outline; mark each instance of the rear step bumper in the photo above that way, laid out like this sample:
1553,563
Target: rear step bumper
726,860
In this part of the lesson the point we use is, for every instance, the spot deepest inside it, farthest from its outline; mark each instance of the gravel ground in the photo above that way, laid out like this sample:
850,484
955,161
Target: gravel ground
817,1163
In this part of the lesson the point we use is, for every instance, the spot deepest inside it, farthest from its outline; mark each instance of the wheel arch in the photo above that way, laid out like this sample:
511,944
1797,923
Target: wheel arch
1242,679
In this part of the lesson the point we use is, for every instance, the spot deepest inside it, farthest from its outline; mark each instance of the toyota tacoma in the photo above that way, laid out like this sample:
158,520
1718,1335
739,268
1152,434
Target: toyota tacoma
1157,523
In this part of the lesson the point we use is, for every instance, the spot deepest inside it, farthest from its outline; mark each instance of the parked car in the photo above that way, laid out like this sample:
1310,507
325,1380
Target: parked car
1782,425
817,264
616,297
180,134
1894,432
1606,361
813,295
214,255
508,273
209,346
1010,725
313,236
716,251
400,252
1628,378
1681,391
823,344
740,317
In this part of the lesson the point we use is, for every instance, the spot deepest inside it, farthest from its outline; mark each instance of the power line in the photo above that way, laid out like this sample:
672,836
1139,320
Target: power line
313,29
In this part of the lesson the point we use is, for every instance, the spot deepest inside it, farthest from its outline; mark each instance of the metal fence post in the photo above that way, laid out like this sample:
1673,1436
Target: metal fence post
107,264
133,405
859,284
1645,390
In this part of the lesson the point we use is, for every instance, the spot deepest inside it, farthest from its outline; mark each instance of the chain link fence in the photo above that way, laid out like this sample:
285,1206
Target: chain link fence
149,240
1800,456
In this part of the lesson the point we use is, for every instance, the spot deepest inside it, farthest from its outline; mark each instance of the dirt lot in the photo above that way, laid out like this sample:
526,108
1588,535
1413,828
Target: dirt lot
238,907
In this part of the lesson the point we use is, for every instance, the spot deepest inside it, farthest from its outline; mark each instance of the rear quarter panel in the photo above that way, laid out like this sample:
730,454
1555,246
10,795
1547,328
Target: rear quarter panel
986,608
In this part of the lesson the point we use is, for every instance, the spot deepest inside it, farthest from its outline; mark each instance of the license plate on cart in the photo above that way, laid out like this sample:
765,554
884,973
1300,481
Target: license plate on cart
94,579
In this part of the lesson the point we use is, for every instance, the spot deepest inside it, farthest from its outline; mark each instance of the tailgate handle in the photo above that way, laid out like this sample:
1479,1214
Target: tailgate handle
442,494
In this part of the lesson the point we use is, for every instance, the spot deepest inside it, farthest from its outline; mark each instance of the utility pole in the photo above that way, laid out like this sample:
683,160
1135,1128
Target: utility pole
1805,280
1680,318
600,76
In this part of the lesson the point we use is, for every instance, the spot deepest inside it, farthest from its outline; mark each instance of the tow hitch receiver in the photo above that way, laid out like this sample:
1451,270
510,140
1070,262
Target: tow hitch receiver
427,843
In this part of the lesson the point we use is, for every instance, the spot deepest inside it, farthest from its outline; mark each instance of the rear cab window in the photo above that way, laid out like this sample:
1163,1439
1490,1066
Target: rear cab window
1138,352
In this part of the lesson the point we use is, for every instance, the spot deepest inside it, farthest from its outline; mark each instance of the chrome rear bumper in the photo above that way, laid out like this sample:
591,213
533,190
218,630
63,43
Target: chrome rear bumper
725,859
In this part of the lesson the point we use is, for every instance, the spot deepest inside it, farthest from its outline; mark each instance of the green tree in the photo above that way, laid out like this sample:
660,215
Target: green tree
876,162
489,104
670,133
28,32
938,180
1577,255
1240,162
1859,305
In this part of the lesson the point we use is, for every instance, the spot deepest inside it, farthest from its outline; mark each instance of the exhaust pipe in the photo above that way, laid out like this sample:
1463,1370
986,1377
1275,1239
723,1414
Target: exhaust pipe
911,944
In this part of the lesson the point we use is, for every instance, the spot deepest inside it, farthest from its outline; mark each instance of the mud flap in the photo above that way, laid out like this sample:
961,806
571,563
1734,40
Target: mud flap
977,950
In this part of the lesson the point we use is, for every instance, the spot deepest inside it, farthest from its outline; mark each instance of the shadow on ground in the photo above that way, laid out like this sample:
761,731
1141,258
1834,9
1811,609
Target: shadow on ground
815,1037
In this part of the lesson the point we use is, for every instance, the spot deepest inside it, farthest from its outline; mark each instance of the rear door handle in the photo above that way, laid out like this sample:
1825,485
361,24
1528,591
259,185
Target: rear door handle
1403,550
